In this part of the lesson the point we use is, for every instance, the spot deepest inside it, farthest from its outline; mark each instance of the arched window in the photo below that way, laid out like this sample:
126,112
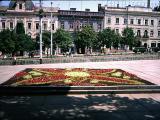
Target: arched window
138,33
145,34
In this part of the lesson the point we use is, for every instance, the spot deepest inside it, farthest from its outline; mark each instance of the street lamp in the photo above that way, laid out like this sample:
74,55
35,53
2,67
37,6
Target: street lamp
40,17
51,32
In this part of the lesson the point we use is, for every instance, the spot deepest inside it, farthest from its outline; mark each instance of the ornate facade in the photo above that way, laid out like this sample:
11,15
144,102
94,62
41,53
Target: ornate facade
144,21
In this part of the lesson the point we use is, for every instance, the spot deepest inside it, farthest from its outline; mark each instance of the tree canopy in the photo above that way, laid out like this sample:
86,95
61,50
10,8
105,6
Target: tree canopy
7,45
63,39
128,37
20,28
157,8
16,40
85,38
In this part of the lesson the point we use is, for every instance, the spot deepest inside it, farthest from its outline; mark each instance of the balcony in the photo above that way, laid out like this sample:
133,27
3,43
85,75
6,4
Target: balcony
80,13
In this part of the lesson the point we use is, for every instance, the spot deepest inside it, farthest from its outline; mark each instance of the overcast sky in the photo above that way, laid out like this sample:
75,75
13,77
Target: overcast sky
91,4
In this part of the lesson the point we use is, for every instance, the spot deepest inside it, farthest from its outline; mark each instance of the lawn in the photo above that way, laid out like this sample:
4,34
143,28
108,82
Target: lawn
74,77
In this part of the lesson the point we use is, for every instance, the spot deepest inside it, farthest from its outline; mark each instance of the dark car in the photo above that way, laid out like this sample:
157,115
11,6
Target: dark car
154,49
140,49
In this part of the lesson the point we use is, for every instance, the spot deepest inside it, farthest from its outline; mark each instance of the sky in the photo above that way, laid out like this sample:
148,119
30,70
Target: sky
91,4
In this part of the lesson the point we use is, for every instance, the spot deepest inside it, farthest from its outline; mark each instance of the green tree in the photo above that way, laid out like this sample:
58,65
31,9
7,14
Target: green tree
46,39
116,40
157,8
108,37
20,28
129,37
7,44
86,38
23,42
63,39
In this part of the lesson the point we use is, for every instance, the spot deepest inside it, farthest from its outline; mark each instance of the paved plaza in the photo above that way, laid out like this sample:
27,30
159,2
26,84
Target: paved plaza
85,106
146,69
81,107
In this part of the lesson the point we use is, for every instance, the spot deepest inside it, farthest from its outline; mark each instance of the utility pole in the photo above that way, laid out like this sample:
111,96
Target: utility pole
40,17
51,33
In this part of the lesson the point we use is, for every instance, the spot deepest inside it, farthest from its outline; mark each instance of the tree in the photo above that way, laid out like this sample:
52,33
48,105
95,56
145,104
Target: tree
7,44
157,8
116,40
109,38
128,37
85,38
20,28
63,39
46,39
23,42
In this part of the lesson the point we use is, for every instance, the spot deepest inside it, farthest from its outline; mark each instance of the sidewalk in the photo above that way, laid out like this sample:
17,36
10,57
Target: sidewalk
85,107
145,69
81,107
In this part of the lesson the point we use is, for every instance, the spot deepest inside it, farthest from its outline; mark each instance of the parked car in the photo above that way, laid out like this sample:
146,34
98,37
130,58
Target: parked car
154,49
140,49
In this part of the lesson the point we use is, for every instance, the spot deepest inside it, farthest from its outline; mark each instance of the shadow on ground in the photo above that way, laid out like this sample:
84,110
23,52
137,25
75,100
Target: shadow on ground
82,107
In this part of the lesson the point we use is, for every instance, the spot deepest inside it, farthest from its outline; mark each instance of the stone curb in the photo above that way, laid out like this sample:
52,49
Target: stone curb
49,90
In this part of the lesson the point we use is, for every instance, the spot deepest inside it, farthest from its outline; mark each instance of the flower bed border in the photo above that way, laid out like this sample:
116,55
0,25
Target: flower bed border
49,90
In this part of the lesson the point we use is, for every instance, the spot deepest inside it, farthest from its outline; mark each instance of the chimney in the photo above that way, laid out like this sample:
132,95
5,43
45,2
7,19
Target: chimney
99,7
87,10
148,4
117,5
73,9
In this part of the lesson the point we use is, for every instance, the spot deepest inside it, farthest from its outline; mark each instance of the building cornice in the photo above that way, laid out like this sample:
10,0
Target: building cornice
132,13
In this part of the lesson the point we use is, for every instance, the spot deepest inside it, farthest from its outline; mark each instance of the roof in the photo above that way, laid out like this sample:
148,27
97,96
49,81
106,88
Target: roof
28,4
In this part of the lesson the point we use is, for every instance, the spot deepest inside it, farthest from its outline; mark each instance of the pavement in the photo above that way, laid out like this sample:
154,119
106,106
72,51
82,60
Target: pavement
81,107
146,69
86,106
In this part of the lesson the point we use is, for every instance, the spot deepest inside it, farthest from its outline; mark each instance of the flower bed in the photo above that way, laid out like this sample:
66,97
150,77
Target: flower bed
74,77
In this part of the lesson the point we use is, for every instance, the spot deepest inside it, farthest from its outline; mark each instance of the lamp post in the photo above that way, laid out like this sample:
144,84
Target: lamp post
51,33
40,17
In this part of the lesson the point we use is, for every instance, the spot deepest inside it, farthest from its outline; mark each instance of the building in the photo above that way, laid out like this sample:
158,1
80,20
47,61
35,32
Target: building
143,20
72,20
25,11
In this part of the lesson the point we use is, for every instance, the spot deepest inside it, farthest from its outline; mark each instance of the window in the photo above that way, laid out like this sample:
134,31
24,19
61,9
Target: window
138,33
80,26
139,21
153,44
125,21
20,6
131,21
159,23
152,22
109,20
29,25
71,26
99,26
145,34
62,25
3,25
37,26
117,31
11,25
146,22
117,20
52,26
45,26
159,33
151,33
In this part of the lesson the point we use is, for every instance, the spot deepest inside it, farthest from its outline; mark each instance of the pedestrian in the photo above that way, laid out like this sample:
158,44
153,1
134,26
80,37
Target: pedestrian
14,60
